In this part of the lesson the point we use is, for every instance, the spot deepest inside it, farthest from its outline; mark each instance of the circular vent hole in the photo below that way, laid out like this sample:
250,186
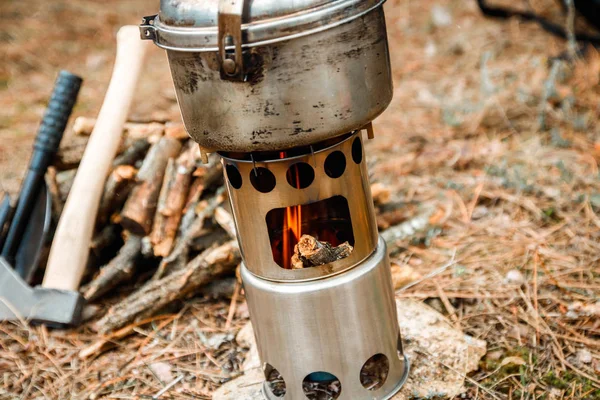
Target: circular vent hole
233,176
262,179
321,386
357,152
274,380
374,372
335,164
300,175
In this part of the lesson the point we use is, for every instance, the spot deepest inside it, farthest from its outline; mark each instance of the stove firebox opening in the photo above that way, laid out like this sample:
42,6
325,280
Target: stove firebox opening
327,223
303,213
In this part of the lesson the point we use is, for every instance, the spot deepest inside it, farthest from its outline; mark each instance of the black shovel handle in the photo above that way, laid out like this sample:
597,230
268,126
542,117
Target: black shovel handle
50,133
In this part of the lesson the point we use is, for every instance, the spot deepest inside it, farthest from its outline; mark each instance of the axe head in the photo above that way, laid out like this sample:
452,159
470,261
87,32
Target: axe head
52,307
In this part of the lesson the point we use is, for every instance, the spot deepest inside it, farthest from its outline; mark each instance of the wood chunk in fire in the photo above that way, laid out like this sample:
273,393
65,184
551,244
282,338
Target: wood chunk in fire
310,252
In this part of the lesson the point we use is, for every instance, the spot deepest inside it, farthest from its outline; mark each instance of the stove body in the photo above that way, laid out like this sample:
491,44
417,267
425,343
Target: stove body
283,91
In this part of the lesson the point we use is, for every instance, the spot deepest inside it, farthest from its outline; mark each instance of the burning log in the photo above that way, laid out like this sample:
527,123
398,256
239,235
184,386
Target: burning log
172,199
138,212
309,252
156,294
119,269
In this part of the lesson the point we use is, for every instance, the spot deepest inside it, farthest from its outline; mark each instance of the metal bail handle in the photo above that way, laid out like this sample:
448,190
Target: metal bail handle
230,34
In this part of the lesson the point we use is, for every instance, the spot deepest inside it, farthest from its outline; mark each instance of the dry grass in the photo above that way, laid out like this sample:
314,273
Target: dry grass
191,345
484,124
485,127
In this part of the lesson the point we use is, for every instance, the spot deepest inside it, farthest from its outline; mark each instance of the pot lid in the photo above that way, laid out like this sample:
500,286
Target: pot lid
194,25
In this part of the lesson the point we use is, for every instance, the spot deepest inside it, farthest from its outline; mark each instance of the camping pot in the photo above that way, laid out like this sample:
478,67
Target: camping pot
269,75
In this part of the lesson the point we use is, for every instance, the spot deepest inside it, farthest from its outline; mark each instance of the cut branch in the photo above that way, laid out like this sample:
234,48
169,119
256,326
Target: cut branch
119,269
172,199
117,188
179,256
138,212
408,229
144,130
225,220
206,176
133,153
160,219
84,126
104,238
70,154
155,295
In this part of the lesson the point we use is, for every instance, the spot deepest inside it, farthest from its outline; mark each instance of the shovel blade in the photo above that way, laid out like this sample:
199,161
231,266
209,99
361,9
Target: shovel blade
34,237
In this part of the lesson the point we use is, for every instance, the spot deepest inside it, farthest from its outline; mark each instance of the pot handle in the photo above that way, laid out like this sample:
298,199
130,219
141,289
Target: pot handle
230,39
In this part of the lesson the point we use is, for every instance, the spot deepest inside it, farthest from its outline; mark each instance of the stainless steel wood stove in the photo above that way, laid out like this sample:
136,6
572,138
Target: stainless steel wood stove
284,90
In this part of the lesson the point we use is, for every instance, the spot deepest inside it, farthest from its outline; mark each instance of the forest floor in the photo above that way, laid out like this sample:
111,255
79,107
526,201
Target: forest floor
486,125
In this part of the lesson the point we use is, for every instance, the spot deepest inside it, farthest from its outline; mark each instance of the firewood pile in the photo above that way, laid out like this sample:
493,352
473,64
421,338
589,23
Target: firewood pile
162,224
163,229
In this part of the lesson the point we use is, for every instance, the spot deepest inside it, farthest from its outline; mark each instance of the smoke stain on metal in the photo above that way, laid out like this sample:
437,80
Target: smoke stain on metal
255,62
269,109
313,67
193,72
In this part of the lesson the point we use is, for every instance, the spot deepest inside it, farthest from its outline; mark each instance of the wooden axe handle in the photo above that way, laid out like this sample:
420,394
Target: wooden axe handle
71,245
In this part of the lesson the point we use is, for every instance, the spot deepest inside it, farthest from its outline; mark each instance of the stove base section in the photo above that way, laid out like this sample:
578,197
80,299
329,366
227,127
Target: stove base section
338,334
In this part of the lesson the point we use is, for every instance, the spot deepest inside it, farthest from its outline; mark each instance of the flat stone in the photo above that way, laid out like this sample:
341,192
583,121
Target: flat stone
440,357
246,387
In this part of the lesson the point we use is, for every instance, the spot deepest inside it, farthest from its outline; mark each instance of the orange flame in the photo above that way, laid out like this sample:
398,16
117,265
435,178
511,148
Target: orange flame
292,224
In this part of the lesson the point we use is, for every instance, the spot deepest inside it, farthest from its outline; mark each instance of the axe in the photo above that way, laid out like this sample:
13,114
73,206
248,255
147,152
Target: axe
57,301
